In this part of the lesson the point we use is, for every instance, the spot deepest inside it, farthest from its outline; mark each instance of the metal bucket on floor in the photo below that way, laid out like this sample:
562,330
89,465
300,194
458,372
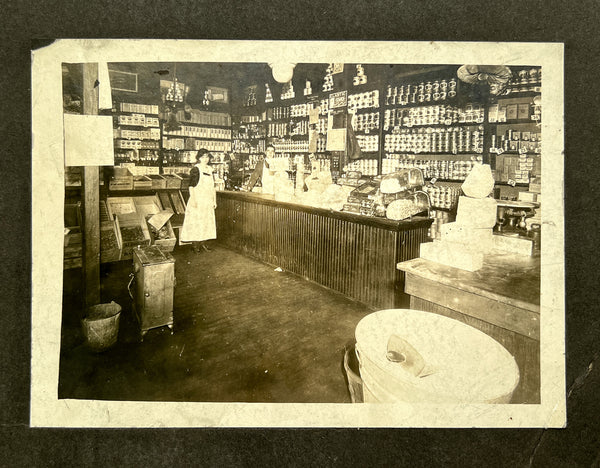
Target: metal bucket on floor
101,326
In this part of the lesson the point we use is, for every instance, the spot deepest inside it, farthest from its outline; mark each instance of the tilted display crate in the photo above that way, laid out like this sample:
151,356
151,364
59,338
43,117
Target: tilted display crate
147,207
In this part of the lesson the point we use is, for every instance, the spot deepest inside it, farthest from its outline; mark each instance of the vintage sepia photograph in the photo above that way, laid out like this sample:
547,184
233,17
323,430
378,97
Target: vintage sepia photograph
297,234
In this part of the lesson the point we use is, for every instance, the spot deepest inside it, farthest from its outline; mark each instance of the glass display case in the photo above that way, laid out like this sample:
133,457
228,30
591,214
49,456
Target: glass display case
408,203
402,180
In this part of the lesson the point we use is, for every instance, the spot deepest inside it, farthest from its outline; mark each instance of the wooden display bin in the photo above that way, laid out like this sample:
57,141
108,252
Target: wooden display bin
185,180
178,202
172,181
134,233
111,244
133,229
142,182
72,241
147,207
73,249
121,180
158,181
166,244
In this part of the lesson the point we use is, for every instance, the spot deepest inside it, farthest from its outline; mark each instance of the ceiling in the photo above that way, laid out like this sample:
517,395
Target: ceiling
234,76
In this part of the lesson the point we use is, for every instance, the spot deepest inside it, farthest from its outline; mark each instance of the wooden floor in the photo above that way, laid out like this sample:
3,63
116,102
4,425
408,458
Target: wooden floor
243,333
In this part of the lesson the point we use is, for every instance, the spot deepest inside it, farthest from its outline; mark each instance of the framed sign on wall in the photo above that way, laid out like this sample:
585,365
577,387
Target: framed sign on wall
216,94
123,81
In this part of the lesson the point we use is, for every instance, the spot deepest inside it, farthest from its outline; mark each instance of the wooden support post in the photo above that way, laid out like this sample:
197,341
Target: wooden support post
91,198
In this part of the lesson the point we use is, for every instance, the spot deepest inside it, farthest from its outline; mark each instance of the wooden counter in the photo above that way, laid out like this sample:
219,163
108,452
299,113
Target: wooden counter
502,299
349,253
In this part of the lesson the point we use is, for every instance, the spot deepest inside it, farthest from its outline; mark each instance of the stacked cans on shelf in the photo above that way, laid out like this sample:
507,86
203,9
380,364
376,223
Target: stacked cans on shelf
288,91
441,196
433,115
368,143
278,129
299,127
282,112
425,91
439,219
441,169
291,146
364,166
299,110
364,100
321,126
321,144
369,121
436,140
324,107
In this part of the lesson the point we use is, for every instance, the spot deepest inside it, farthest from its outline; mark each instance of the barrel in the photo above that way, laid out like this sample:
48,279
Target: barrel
438,360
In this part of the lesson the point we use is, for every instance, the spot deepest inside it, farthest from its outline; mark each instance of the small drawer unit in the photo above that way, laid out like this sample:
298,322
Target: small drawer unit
154,272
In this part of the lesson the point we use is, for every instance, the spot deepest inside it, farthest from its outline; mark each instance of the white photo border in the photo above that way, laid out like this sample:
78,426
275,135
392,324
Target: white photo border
47,238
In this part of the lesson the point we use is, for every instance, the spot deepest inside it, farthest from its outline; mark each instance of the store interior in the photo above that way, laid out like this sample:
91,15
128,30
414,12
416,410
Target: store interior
395,187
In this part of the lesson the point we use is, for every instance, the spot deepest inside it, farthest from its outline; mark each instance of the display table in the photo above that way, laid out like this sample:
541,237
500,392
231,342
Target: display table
502,299
349,253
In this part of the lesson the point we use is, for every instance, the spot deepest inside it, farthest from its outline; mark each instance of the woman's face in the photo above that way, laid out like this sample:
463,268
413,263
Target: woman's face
270,152
204,159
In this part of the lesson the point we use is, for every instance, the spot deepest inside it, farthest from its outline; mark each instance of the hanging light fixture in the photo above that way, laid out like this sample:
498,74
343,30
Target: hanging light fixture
282,72
174,93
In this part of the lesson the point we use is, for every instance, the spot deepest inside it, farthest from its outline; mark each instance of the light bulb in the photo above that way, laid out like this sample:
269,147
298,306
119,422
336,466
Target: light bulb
282,72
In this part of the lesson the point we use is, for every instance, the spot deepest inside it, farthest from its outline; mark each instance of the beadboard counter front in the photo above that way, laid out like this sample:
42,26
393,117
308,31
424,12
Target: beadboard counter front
349,253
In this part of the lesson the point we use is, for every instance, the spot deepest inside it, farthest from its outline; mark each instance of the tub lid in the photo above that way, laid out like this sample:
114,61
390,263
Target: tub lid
452,359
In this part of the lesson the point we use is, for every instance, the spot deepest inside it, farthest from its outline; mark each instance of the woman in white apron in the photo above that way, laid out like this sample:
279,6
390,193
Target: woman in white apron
199,222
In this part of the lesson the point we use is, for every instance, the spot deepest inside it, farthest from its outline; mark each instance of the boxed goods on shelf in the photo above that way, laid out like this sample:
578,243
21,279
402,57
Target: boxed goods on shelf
139,108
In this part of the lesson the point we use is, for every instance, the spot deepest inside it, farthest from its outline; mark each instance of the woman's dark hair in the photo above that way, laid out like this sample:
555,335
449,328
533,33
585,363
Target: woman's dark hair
202,152
270,146
261,154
